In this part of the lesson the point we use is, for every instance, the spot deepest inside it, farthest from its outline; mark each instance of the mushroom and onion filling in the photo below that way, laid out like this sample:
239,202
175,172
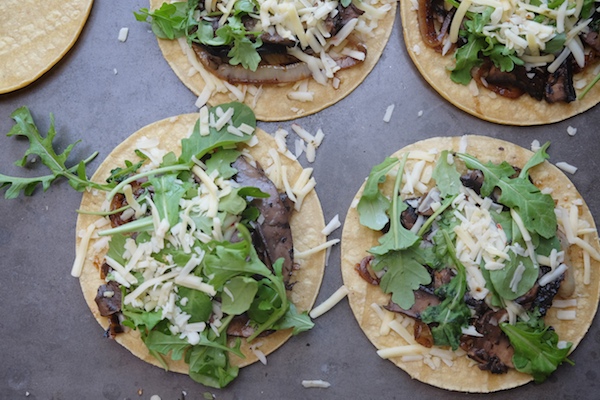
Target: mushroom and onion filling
272,42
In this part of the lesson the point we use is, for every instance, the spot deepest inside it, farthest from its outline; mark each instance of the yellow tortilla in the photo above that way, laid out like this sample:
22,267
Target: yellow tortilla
306,230
463,375
273,104
35,35
523,111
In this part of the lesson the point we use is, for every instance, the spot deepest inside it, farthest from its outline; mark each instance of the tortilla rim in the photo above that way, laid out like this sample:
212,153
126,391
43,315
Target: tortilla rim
308,276
273,104
464,377
524,111
13,83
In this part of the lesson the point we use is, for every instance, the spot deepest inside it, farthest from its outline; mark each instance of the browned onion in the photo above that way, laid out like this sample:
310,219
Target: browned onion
426,18
265,73
480,73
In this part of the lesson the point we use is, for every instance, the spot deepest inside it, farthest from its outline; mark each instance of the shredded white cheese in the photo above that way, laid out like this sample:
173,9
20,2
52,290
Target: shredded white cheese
328,304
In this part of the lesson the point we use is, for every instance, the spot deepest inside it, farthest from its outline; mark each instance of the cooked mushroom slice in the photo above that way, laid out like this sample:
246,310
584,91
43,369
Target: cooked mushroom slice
108,299
276,211
492,351
559,87
422,301
473,179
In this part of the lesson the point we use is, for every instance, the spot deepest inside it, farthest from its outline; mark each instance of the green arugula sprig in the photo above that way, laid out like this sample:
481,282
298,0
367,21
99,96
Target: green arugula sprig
469,55
536,348
175,20
398,237
452,313
43,148
535,208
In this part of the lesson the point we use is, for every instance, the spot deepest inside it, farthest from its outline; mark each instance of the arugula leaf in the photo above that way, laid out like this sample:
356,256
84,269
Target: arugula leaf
502,278
264,303
506,222
166,197
177,19
539,157
238,295
446,177
231,259
467,57
137,318
233,203
43,147
210,365
589,87
535,208
405,273
536,350
243,50
199,304
452,313
373,205
300,322
198,146
221,162
116,248
119,174
398,237
167,22
556,44
165,344
254,192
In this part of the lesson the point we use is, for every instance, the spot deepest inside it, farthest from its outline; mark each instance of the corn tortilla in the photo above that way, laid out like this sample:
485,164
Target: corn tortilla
273,104
523,111
306,229
462,375
35,35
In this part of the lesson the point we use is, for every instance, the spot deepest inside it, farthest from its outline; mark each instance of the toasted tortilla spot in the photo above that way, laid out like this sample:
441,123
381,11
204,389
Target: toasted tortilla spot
523,111
35,35
306,229
463,375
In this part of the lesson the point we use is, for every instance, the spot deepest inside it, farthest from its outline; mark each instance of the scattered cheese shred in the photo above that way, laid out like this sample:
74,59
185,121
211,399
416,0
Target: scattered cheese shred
123,32
82,251
332,225
316,249
328,304
318,383
388,113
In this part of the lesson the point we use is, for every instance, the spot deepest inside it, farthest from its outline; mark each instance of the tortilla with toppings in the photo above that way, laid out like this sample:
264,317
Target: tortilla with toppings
528,82
300,275
285,101
445,296
36,35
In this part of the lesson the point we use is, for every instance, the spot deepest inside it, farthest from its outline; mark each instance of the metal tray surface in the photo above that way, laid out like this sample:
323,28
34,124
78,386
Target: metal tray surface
102,91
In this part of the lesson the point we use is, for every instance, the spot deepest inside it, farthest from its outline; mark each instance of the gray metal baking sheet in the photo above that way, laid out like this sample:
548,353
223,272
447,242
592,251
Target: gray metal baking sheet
102,91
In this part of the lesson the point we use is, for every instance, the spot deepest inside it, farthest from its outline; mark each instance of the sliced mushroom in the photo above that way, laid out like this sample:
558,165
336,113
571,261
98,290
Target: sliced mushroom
276,210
